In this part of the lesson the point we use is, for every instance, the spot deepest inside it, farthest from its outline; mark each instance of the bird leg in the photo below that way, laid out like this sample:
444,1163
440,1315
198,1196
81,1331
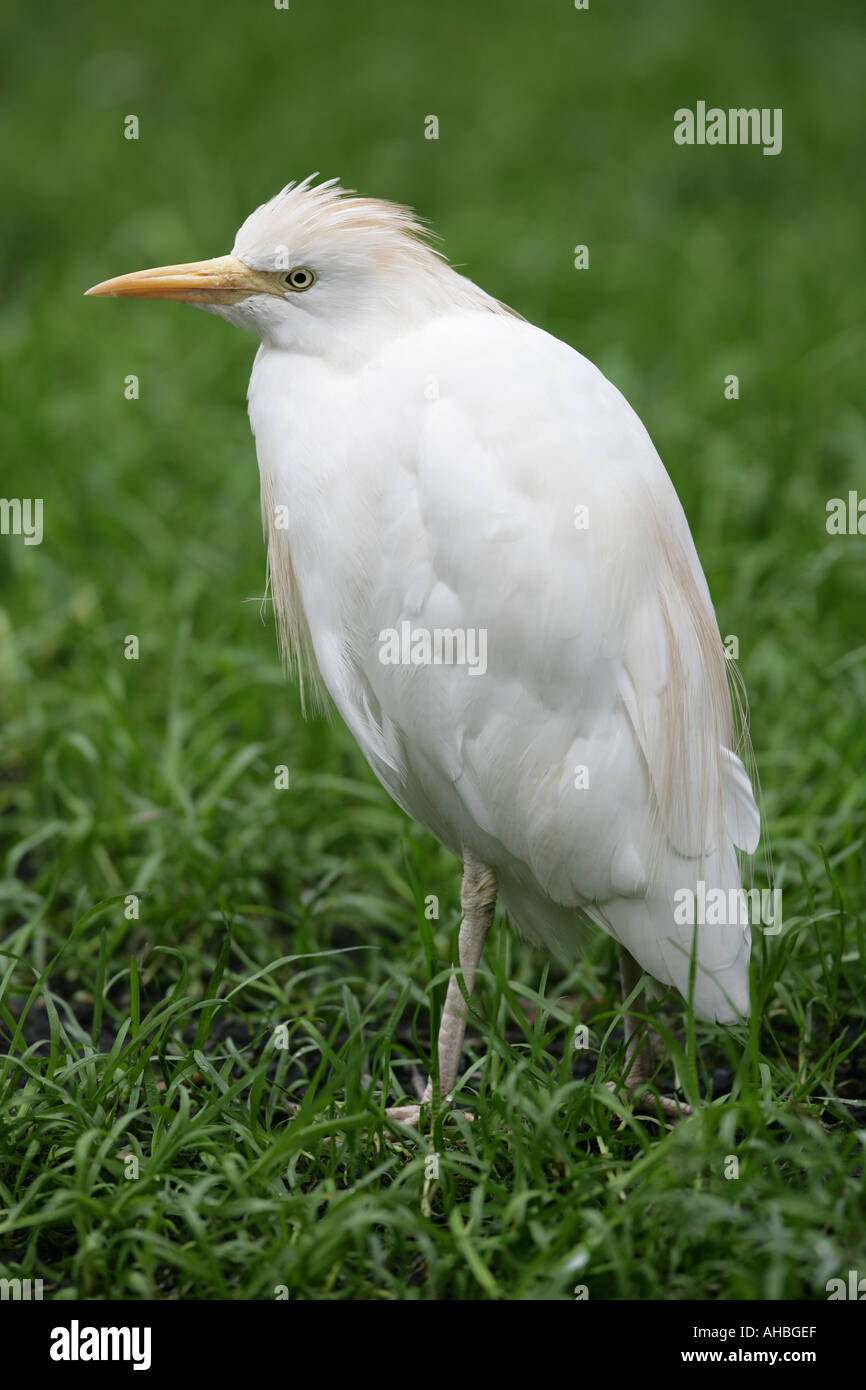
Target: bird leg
478,900
643,1049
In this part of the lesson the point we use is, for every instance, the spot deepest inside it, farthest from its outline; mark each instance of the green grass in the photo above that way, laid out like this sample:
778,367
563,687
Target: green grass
153,1037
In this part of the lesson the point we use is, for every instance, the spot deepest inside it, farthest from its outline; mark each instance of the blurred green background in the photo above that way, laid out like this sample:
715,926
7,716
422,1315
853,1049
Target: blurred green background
555,129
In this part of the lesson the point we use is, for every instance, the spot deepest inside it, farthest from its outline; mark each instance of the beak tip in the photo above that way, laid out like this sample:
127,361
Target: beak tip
194,283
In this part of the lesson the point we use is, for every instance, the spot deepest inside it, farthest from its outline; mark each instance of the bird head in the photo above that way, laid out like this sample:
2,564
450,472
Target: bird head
315,269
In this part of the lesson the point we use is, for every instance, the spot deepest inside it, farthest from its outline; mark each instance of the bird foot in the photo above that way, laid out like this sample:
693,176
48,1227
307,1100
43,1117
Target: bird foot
405,1115
411,1114
646,1102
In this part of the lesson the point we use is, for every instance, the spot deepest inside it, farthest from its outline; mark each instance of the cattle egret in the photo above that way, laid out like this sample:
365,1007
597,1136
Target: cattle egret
474,547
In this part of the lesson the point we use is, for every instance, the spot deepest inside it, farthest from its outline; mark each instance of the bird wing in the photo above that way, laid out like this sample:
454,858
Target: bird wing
592,756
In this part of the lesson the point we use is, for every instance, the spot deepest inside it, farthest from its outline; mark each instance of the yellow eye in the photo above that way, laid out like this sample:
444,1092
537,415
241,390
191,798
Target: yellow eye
301,278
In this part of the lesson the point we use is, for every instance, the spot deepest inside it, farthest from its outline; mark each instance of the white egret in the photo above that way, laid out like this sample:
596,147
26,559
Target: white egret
475,548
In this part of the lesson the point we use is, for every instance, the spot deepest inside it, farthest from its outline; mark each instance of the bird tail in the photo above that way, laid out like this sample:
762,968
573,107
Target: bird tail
696,914
691,921
690,927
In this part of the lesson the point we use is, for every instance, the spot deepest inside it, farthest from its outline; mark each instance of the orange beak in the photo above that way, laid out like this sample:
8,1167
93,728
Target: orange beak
224,280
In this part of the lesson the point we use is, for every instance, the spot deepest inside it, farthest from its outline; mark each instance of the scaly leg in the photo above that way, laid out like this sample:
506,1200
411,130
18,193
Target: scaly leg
478,900
642,1047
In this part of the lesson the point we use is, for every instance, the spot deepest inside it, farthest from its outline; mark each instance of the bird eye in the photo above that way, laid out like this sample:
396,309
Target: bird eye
301,278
